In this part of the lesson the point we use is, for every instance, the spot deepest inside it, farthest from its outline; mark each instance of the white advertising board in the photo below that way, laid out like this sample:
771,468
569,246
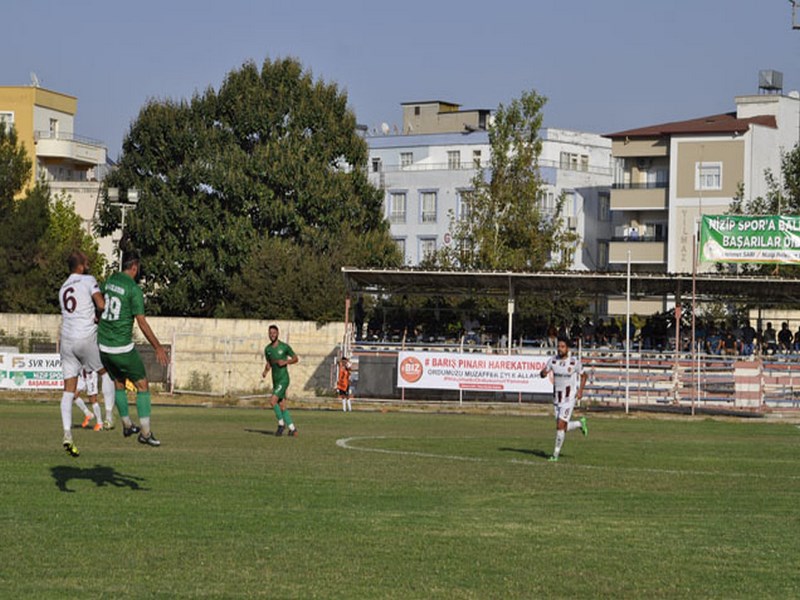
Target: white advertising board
473,371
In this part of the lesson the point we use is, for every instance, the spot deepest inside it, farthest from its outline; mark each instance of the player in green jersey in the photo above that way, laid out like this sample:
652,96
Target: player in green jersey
278,356
124,304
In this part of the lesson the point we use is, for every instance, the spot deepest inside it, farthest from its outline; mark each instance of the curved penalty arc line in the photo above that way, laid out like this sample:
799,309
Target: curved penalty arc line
347,444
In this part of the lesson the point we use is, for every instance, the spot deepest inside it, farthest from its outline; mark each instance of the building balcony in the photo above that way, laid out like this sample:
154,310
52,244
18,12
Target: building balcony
643,251
640,196
50,145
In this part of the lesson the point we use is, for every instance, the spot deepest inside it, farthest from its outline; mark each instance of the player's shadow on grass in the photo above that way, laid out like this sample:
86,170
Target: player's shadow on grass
539,453
261,431
101,476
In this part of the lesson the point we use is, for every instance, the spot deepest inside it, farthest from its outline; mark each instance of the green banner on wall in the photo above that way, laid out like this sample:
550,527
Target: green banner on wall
737,239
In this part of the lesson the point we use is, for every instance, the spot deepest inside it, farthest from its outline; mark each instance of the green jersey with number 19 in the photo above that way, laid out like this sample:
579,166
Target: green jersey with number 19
124,300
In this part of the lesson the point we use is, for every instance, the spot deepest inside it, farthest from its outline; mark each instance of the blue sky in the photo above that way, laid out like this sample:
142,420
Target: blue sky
605,66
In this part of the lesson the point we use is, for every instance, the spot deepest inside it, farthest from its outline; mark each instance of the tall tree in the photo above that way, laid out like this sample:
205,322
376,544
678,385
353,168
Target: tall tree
272,154
15,166
504,227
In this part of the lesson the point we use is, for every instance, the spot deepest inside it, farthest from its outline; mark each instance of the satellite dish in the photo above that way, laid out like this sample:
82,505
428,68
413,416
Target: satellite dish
35,80
385,128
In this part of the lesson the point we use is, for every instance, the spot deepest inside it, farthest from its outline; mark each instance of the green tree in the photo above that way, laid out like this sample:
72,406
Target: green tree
36,236
504,227
272,155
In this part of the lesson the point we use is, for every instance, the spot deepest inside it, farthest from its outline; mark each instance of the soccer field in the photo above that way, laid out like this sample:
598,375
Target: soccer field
396,505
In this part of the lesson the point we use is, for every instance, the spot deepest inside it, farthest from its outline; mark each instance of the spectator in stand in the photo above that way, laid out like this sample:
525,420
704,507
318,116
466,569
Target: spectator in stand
646,335
601,333
713,340
613,332
588,332
700,335
768,340
575,332
563,331
728,344
552,335
785,338
797,340
748,339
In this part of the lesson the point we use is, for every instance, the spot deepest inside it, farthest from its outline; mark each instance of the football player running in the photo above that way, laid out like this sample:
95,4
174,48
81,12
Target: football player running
569,379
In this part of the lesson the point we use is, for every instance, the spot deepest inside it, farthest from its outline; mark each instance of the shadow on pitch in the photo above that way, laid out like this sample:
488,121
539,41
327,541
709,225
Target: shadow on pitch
101,476
528,451
261,431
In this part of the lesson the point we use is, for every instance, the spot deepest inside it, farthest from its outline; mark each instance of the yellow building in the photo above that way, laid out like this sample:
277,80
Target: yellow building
71,164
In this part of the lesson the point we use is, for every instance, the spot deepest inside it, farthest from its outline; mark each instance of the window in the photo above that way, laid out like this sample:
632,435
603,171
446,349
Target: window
708,176
53,128
463,207
406,159
7,119
604,207
574,162
401,245
476,158
547,202
416,111
427,247
397,207
453,159
602,255
428,204
376,165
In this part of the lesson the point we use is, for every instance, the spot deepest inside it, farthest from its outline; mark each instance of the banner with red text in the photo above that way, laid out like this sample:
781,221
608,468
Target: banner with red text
473,371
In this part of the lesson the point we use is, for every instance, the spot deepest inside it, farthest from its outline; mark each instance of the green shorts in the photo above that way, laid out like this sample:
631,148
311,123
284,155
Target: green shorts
279,389
124,366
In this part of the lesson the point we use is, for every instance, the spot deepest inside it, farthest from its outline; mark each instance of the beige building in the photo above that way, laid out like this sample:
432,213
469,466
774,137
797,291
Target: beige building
667,175
71,164
437,116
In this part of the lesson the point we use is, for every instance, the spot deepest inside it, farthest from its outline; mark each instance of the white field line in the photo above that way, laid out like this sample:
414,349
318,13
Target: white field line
347,444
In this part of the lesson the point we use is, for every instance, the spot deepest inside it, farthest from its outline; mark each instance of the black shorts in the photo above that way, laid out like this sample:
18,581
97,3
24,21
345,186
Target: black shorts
343,393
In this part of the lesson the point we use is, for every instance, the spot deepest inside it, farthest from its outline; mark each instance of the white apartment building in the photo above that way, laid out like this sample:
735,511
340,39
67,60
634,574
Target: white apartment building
425,171
667,175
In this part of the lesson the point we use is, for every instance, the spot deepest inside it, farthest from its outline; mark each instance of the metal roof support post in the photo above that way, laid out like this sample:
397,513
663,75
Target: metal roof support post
510,312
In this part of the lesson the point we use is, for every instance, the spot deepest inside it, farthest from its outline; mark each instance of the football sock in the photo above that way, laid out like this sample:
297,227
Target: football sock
145,424
82,405
573,425
560,435
349,406
108,395
66,413
97,414
121,400
143,404
344,405
278,414
288,418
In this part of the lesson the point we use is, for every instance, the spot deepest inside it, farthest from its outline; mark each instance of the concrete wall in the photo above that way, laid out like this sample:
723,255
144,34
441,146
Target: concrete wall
229,351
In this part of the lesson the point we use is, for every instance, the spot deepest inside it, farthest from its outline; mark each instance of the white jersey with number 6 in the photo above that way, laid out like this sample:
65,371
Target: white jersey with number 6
77,306
566,377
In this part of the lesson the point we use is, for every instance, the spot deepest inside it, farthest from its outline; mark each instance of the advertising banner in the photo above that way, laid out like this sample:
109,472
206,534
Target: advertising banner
30,371
739,239
473,371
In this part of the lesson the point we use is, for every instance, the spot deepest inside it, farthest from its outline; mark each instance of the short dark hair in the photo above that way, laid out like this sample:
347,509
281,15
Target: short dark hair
565,340
75,259
130,258
273,326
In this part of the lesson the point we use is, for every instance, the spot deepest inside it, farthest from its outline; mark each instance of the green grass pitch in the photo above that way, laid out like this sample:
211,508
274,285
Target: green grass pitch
399,505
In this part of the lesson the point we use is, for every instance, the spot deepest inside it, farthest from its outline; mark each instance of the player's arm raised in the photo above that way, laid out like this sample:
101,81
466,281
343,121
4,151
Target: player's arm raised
144,326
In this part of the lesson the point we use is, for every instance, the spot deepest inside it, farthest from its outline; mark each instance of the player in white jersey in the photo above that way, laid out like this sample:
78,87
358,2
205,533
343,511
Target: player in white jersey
87,382
80,299
569,379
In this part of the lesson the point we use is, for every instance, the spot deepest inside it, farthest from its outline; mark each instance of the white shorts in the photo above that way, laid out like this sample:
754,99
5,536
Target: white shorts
79,354
563,410
87,381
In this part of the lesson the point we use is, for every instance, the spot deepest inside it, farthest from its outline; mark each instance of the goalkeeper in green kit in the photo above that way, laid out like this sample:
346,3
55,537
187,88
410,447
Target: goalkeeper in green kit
124,303
279,356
